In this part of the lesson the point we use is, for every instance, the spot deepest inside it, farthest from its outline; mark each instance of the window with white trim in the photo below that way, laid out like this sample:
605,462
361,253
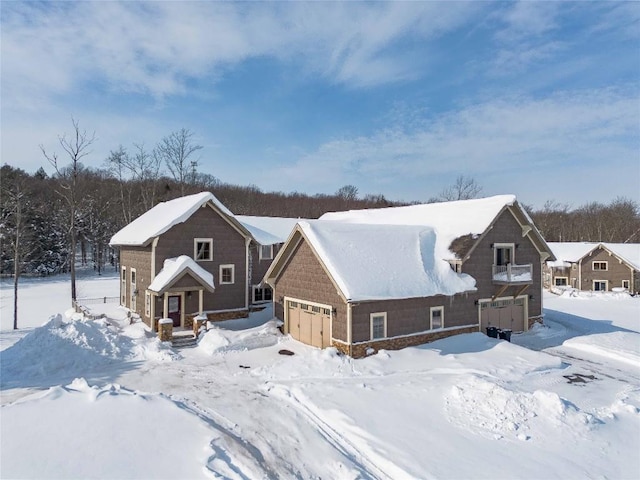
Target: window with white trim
600,265
123,287
561,281
266,252
625,284
227,274
378,325
436,316
147,303
600,285
203,249
262,294
134,290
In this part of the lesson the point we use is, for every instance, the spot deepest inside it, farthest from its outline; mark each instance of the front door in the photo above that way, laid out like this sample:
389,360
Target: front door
174,310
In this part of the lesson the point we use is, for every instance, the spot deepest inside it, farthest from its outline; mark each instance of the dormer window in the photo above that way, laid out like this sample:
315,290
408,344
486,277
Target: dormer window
203,249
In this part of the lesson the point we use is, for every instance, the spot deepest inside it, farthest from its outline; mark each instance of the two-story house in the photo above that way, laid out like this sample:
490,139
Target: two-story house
192,255
594,266
394,277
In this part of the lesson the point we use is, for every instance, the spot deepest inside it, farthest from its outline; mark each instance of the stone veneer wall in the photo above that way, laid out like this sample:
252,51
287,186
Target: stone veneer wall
359,350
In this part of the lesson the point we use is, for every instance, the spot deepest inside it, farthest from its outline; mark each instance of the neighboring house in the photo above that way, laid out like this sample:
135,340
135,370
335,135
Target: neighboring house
594,266
393,277
192,255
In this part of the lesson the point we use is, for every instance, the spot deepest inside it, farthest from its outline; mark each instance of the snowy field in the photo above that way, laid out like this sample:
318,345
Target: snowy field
105,399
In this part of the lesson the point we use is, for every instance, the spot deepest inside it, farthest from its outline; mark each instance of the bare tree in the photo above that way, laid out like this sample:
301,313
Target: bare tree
348,192
15,199
76,147
176,151
118,164
464,188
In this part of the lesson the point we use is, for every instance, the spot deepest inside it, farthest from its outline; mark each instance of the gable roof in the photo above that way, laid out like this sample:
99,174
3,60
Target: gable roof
573,252
375,262
458,224
268,230
175,268
154,222
163,216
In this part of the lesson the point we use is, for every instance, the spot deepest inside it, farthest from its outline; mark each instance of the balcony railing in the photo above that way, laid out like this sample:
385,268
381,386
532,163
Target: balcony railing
513,274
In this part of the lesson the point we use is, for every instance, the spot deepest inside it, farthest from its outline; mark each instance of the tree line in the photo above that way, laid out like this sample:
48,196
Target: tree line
44,218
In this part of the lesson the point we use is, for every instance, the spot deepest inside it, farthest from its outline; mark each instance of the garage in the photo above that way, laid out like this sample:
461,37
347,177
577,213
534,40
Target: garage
309,323
504,313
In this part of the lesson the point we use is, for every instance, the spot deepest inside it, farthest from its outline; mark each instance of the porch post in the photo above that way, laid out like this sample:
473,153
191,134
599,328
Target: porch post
200,301
165,306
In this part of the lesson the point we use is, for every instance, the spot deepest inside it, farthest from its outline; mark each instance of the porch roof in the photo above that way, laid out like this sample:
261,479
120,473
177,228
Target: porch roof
175,268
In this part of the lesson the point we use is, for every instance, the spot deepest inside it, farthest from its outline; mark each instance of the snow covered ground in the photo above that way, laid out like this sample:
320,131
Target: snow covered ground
105,399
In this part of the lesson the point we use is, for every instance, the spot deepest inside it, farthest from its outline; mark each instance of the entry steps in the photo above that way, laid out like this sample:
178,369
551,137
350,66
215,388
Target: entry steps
184,341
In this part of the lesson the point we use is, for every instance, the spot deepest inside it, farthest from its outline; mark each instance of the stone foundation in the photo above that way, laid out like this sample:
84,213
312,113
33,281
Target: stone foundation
533,320
198,323
219,316
359,350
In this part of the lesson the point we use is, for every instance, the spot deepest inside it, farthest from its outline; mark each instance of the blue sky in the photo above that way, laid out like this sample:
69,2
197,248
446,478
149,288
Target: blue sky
540,99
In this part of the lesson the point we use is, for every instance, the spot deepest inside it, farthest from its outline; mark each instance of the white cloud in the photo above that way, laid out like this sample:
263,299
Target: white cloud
522,134
156,47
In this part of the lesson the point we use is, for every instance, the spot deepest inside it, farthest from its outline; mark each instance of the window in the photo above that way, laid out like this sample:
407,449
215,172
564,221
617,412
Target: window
147,304
625,284
265,295
378,325
600,265
266,252
133,291
123,288
203,249
227,274
437,317
600,285
503,253
561,281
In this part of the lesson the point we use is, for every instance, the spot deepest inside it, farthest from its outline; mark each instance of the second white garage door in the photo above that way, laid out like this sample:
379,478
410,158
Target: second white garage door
509,313
310,324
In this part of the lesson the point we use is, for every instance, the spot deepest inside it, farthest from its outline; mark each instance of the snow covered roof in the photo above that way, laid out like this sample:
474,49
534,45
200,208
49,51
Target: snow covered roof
572,252
268,230
450,220
375,262
173,268
164,216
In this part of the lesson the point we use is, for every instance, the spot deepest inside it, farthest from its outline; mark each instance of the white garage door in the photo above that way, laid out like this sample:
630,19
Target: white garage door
310,324
505,314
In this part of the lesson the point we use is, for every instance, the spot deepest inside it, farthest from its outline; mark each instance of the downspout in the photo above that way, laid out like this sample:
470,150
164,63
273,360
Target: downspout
247,280
349,329
152,310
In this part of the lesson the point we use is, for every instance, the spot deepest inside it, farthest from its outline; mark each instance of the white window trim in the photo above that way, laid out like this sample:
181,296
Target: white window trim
606,266
496,246
133,288
270,257
123,286
555,284
233,274
195,249
627,282
377,314
253,294
434,309
606,285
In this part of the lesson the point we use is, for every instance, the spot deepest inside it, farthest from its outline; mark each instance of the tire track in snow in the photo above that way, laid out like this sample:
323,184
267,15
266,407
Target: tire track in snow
365,462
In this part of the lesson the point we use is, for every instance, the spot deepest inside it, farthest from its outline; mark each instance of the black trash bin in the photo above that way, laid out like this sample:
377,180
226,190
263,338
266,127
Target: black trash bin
492,332
505,335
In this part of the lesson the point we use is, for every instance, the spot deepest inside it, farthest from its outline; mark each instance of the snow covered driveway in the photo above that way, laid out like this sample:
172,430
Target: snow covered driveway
465,407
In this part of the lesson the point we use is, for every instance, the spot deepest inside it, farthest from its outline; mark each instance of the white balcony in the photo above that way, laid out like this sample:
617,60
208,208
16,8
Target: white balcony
513,274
